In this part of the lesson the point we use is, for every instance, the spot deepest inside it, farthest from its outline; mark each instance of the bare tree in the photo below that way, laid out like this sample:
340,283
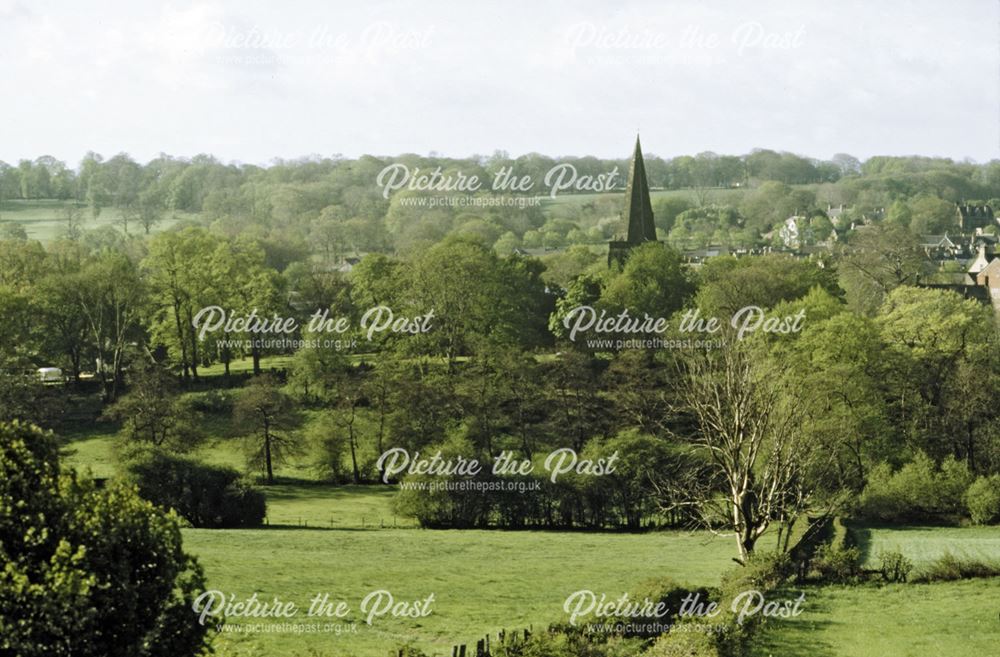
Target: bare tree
751,463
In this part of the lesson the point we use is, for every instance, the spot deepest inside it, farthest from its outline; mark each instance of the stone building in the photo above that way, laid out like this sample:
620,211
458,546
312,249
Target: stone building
971,217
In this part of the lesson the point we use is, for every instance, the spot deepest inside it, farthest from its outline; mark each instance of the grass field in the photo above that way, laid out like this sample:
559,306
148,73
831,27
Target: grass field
924,544
346,541
44,220
945,619
953,619
483,581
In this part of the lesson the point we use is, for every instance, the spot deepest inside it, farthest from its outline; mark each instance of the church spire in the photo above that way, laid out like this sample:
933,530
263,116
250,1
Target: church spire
638,209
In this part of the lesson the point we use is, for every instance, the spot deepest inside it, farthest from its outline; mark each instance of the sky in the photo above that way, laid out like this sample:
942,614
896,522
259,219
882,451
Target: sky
250,81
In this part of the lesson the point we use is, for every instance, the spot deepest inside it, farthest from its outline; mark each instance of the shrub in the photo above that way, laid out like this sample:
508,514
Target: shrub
566,642
948,567
918,491
894,566
983,500
836,563
88,572
211,402
763,571
663,591
684,641
330,448
204,495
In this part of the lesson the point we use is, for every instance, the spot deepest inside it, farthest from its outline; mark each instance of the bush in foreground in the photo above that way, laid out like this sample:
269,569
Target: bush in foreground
88,572
836,563
894,566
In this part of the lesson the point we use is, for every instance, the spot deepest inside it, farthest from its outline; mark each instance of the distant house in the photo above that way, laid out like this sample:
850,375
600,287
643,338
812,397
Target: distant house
698,256
989,278
981,281
971,217
942,247
348,265
837,215
981,261
790,234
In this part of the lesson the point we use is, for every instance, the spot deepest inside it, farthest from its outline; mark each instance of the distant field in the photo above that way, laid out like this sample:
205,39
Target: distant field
953,619
713,195
924,544
44,220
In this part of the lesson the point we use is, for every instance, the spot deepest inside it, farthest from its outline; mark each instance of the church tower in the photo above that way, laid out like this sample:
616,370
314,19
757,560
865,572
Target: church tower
638,211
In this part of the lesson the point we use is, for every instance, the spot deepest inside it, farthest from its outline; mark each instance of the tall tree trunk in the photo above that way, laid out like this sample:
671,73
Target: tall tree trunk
354,456
194,345
267,451
181,339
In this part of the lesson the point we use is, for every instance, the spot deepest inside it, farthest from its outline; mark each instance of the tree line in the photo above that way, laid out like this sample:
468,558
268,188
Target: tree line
334,207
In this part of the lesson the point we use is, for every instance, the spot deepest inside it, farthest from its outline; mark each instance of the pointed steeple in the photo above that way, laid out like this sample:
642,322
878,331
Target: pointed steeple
638,209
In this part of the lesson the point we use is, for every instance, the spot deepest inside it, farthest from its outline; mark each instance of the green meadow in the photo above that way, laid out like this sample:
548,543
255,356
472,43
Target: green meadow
45,220
944,619
482,581
924,544
347,541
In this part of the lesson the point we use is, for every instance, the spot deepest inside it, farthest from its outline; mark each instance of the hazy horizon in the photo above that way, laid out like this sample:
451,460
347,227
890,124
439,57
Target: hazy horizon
250,82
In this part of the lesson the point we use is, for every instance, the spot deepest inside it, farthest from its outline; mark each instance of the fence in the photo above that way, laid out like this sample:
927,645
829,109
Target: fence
484,646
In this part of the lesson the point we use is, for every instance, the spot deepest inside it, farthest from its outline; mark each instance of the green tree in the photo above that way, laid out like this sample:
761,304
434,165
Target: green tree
113,297
266,415
249,285
946,346
88,572
151,410
653,281
727,284
180,274
876,260
475,297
